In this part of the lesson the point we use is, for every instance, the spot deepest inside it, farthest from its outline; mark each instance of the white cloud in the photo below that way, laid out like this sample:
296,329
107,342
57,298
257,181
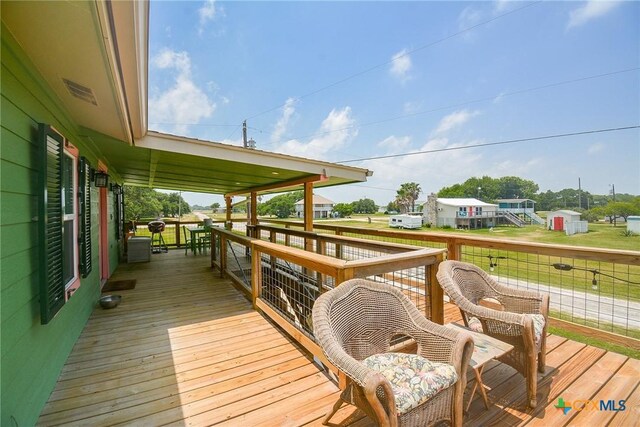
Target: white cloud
595,148
336,130
500,6
401,65
184,102
206,13
432,170
591,9
283,122
395,144
453,120
469,17
412,107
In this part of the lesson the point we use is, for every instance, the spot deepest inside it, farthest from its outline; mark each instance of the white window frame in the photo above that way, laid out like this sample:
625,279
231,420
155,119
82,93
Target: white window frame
71,152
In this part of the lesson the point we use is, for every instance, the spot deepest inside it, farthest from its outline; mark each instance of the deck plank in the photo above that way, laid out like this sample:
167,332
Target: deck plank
186,348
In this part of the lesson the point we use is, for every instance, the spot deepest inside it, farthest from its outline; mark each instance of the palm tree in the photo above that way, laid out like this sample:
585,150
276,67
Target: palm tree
407,195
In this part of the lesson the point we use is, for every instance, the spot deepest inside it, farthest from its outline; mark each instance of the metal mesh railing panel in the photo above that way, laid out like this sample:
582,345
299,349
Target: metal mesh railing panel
599,294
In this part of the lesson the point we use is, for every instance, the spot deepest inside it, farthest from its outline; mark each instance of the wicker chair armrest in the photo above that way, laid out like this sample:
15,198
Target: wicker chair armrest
372,381
439,343
490,315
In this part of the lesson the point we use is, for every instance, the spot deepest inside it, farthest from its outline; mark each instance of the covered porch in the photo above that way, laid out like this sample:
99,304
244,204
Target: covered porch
186,348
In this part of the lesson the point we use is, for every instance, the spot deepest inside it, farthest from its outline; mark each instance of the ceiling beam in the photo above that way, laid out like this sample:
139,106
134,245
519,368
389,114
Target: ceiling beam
153,164
283,184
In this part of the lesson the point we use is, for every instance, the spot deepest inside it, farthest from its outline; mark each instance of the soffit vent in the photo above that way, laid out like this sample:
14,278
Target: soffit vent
81,92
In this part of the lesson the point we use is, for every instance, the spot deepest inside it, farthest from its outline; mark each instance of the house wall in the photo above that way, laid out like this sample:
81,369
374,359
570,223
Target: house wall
32,354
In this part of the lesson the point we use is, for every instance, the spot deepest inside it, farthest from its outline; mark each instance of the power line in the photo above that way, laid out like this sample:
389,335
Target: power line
489,144
380,65
466,103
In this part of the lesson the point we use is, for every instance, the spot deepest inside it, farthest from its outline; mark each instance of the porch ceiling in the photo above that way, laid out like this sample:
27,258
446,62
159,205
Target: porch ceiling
98,46
178,163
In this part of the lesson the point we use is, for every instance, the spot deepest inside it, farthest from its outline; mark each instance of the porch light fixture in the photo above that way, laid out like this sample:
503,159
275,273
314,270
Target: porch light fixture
568,267
101,179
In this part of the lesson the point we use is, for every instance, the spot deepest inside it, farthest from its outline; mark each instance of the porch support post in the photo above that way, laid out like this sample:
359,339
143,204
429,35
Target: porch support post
253,218
228,225
308,214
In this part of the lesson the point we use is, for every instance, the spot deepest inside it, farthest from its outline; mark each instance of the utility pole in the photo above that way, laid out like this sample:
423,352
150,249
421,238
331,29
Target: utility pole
579,194
244,134
613,192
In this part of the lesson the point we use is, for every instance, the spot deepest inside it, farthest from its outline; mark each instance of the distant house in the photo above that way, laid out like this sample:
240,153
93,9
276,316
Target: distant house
567,221
465,213
523,208
322,207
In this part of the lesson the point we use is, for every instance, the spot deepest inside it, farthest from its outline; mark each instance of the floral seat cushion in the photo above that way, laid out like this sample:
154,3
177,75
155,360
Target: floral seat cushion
414,379
538,326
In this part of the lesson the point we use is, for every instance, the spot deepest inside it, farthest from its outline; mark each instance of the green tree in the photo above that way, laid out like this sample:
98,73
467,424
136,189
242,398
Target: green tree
490,189
512,187
393,207
141,202
282,206
173,204
215,206
621,209
343,209
364,206
407,195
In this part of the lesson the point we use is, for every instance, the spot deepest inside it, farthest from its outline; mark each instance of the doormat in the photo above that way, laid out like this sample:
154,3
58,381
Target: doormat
119,285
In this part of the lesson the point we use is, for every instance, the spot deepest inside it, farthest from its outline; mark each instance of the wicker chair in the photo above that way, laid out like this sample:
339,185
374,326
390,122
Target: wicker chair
355,324
522,323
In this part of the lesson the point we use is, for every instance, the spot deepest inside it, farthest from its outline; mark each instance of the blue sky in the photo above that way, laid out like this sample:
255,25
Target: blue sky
348,80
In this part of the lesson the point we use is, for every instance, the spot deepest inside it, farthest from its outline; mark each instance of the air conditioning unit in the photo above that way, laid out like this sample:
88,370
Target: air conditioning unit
139,249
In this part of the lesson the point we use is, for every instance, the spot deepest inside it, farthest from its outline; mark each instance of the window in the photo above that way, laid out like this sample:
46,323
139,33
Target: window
70,220
64,192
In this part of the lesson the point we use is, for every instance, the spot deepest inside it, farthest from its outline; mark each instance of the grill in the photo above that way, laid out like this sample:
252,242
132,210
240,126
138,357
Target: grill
157,242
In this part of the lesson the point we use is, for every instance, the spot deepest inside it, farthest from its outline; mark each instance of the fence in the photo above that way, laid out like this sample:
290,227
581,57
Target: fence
284,280
173,235
576,227
589,287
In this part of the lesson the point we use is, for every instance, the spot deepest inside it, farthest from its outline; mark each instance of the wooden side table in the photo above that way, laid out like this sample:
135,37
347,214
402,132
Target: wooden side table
485,348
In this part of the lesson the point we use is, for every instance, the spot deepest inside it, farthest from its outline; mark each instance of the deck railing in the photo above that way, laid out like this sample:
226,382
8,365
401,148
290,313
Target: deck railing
592,291
173,235
284,280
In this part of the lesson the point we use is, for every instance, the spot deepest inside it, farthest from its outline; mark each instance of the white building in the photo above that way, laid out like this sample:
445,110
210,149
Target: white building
459,212
633,224
322,207
525,209
567,221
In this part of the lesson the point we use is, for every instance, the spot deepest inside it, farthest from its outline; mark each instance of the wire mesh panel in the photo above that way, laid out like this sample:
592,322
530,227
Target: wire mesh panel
238,263
291,290
598,294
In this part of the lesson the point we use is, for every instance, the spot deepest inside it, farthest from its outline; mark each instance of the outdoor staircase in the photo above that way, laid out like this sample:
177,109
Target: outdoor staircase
512,218
535,219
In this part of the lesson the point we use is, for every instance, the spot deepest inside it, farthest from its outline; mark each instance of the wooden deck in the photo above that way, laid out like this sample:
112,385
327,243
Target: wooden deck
185,348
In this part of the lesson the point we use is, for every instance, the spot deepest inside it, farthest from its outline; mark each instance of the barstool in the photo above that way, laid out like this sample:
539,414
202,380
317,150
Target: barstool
157,242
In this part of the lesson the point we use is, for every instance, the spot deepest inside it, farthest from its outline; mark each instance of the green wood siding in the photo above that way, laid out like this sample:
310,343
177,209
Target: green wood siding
32,354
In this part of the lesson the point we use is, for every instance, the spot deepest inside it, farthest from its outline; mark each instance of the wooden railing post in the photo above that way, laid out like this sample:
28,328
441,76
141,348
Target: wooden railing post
256,276
436,295
453,250
223,255
178,233
214,239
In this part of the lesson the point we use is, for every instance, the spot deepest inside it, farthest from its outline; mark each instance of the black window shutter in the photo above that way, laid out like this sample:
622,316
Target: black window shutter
50,223
84,196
